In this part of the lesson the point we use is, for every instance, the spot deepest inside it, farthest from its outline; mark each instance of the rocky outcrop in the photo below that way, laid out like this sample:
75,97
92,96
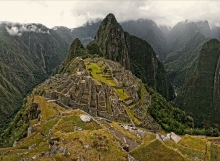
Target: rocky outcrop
111,41
170,136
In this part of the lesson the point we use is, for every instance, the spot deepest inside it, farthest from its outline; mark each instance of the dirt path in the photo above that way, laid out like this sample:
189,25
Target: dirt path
124,139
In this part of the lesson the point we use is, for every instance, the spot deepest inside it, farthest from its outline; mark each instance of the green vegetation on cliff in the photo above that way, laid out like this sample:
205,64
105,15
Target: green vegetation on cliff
201,98
122,114
26,59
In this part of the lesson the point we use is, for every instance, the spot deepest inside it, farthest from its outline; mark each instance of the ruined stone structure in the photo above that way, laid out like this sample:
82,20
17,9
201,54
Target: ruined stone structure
79,90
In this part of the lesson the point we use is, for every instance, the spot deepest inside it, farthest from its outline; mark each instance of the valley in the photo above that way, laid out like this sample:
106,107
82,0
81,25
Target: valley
98,93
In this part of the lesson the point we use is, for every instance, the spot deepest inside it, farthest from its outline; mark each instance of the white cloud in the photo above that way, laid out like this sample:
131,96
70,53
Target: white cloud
18,29
75,13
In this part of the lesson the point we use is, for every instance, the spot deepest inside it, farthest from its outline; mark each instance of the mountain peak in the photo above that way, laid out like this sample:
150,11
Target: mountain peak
111,39
110,17
132,53
109,21
76,49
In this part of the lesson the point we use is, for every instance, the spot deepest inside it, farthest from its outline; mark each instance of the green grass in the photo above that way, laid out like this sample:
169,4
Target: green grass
47,108
96,70
11,158
155,151
132,117
68,123
121,93
97,74
34,138
214,152
45,127
106,124
97,140
148,137
188,152
193,142
108,107
132,106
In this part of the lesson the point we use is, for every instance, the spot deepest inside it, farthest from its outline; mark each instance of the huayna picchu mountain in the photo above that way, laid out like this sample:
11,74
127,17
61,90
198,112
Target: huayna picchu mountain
95,109
133,53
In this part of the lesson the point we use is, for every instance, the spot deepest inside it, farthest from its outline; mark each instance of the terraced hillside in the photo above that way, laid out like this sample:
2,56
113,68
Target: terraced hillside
104,88
57,133
95,109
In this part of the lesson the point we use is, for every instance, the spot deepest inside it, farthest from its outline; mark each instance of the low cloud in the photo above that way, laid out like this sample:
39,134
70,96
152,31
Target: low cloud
163,12
76,13
19,29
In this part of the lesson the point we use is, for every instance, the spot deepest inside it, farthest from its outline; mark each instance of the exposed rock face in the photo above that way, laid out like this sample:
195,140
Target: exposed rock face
111,41
133,53
85,118
147,67
204,28
30,131
175,137
170,136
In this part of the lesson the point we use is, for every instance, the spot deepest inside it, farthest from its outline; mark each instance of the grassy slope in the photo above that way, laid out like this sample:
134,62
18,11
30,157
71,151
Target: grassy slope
101,143
154,151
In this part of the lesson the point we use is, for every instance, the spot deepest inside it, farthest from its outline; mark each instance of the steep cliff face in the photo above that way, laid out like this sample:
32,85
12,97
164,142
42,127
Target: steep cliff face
150,32
147,67
202,90
28,54
111,41
133,53
181,63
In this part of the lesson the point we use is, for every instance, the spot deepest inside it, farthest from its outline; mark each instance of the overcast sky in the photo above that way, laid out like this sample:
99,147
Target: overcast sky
75,13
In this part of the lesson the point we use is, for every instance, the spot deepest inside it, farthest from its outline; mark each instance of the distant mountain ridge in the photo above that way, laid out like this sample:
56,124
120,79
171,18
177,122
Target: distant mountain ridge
150,32
184,44
28,54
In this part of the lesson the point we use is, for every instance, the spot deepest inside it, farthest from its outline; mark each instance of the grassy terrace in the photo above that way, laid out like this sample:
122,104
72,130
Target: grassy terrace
121,93
101,74
186,151
131,115
97,73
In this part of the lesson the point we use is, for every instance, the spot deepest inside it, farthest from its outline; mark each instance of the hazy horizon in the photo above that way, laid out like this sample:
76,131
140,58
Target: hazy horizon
73,14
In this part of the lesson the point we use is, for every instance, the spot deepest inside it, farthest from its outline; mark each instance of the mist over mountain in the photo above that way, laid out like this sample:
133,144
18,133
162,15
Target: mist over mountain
148,31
